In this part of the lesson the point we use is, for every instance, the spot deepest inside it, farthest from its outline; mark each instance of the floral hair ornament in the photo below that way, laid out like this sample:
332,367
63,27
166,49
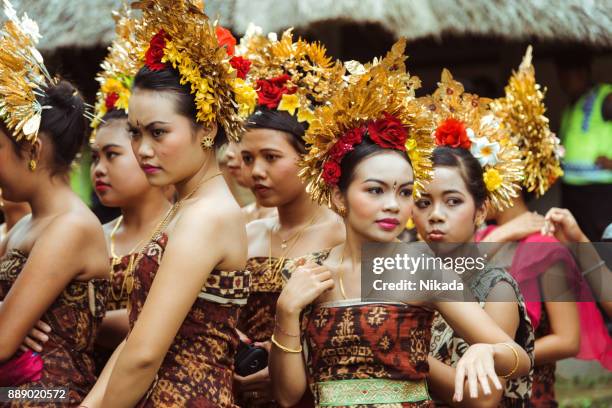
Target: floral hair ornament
465,121
118,69
522,110
291,76
377,102
23,75
177,34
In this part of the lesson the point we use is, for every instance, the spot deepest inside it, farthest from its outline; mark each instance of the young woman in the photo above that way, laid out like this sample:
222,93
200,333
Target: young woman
543,268
450,210
236,172
270,151
371,354
184,305
120,182
53,263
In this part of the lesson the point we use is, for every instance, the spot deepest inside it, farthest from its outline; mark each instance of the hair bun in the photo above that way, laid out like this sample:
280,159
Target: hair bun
64,121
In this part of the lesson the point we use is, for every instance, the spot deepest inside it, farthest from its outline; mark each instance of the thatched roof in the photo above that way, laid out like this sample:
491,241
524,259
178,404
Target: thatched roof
87,23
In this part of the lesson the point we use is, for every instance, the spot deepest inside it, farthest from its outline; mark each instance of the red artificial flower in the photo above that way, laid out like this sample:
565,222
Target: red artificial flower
155,53
111,100
452,133
271,91
353,137
241,65
337,152
388,133
331,172
226,39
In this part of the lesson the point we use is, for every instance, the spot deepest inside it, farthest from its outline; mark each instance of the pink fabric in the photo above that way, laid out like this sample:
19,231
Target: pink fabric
24,368
530,260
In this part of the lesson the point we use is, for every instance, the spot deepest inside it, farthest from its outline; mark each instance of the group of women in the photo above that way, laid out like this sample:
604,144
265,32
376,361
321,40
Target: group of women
151,309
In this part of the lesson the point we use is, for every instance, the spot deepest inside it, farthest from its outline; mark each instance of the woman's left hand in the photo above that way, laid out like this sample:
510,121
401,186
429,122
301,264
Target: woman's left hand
478,366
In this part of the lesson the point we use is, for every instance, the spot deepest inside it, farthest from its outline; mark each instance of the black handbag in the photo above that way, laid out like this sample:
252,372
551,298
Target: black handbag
250,359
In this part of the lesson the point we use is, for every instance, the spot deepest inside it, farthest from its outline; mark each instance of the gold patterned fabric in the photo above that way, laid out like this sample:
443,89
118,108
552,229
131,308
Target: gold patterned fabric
197,370
75,318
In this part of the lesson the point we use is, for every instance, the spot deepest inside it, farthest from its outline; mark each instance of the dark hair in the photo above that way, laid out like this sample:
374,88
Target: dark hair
168,80
359,153
113,114
469,169
264,118
63,121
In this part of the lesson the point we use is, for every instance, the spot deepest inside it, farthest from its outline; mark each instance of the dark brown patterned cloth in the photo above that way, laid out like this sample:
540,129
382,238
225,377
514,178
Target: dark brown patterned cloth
74,317
198,368
116,300
543,391
257,316
350,339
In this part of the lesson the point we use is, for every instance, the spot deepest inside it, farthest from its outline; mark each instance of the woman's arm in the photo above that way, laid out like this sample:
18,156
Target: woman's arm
114,329
505,317
51,265
304,287
96,394
194,249
564,338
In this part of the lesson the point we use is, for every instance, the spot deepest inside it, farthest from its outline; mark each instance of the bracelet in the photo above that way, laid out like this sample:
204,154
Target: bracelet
516,361
285,349
592,268
280,329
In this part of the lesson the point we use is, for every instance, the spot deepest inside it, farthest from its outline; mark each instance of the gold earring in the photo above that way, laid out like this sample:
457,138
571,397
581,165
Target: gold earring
342,211
32,165
207,142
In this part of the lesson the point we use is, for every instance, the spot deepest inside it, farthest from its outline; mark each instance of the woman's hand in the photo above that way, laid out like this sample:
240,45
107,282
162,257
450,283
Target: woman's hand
37,337
255,388
561,224
306,284
518,228
478,366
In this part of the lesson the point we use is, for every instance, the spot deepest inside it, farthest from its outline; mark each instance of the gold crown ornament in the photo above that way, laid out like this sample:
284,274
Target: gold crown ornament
464,120
118,68
179,34
377,101
522,111
291,76
23,75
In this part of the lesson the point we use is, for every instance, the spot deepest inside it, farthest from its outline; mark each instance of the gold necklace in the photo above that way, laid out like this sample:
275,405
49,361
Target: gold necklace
169,215
278,265
341,274
127,279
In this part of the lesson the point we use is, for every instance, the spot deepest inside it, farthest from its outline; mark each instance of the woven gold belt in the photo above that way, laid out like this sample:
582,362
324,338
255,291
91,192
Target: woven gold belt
370,391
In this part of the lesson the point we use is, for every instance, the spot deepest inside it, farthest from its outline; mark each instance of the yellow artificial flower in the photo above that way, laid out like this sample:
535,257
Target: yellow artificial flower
112,85
305,115
123,101
492,179
411,144
289,103
246,97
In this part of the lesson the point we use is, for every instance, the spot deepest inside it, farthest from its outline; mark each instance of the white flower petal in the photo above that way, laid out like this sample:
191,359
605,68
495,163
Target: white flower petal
32,125
470,134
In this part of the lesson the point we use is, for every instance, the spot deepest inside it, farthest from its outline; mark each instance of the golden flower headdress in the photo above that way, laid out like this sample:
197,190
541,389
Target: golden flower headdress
23,75
378,102
522,112
464,120
118,68
291,76
178,33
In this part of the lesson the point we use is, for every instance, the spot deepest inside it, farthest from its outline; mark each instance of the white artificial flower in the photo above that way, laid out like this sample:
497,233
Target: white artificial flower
485,151
470,133
272,37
